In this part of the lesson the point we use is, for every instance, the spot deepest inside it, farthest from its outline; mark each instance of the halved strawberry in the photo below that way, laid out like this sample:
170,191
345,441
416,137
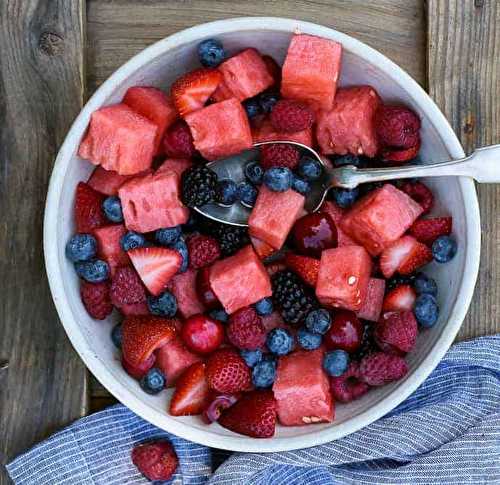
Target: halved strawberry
88,209
156,266
404,256
191,91
419,256
428,230
400,298
142,335
191,394
305,267
253,415
140,370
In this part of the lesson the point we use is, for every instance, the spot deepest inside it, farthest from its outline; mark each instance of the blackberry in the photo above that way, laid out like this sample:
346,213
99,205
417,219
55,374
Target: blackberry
198,186
367,343
294,299
230,238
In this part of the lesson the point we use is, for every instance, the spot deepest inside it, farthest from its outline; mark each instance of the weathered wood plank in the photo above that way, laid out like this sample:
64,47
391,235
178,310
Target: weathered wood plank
464,80
41,91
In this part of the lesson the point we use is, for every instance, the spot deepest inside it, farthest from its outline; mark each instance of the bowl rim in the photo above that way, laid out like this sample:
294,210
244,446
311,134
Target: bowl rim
237,442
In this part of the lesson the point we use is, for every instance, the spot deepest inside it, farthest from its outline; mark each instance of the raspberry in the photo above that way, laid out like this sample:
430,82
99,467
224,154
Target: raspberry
227,372
279,155
398,156
178,141
203,250
126,287
378,368
290,116
397,126
420,193
156,460
396,332
428,230
348,387
95,298
245,329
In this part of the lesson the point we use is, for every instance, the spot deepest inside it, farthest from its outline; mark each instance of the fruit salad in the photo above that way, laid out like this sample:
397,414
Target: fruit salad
280,321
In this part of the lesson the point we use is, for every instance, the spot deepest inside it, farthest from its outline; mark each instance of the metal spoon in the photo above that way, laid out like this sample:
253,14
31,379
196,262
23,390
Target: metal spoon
483,165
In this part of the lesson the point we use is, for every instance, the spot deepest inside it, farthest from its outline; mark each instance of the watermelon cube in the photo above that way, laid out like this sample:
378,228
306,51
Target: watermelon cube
311,70
183,286
349,127
371,307
380,218
263,130
176,165
153,104
108,182
302,389
220,129
109,248
119,139
336,213
245,74
343,277
274,214
152,202
240,280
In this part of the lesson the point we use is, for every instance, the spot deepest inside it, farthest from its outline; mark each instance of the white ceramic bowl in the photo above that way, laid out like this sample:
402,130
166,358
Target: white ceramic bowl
159,65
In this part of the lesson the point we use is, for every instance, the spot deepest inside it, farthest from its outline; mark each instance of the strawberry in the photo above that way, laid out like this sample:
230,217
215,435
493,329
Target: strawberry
377,369
428,230
253,415
405,256
191,394
419,256
88,209
400,298
95,298
142,335
156,460
126,288
396,332
305,267
420,193
140,370
227,372
191,91
156,266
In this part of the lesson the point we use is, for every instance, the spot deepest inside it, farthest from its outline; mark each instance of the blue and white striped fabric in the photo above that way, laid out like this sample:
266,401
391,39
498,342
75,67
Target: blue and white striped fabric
447,432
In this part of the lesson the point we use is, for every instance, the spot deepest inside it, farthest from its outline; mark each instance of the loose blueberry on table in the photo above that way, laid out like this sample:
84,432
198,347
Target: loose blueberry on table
275,322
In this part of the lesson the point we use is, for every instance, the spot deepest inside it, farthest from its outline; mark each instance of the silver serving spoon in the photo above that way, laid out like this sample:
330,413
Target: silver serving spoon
483,165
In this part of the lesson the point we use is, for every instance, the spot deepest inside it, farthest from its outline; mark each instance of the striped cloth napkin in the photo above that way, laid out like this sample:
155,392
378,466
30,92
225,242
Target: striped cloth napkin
447,432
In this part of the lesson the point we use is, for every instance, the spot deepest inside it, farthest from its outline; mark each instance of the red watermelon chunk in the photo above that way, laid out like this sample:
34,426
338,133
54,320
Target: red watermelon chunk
311,70
176,165
262,249
240,280
274,214
302,390
183,287
343,277
263,130
108,246
108,182
119,139
349,126
222,93
246,74
336,213
380,218
220,130
153,104
152,202
371,307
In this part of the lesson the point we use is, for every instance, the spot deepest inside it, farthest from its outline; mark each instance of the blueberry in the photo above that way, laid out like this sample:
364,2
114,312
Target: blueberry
264,307
112,208
226,192
278,179
153,382
252,107
308,340
336,362
81,247
279,341
345,197
300,185
92,271
168,235
164,305
251,357
444,249
424,284
349,159
318,321
181,246
220,315
267,101
426,310
211,52
309,168
132,240
263,374
116,335
254,172
247,194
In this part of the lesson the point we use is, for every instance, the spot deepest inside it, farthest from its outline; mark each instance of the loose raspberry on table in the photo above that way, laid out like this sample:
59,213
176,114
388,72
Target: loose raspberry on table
348,386
378,368
156,460
279,155
420,193
397,126
245,329
203,250
178,141
126,287
227,372
95,298
396,332
290,116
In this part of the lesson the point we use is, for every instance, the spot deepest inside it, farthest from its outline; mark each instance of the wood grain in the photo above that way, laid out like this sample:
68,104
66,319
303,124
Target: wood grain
464,80
41,91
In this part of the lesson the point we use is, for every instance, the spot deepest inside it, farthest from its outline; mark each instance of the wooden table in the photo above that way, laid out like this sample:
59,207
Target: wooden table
55,53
